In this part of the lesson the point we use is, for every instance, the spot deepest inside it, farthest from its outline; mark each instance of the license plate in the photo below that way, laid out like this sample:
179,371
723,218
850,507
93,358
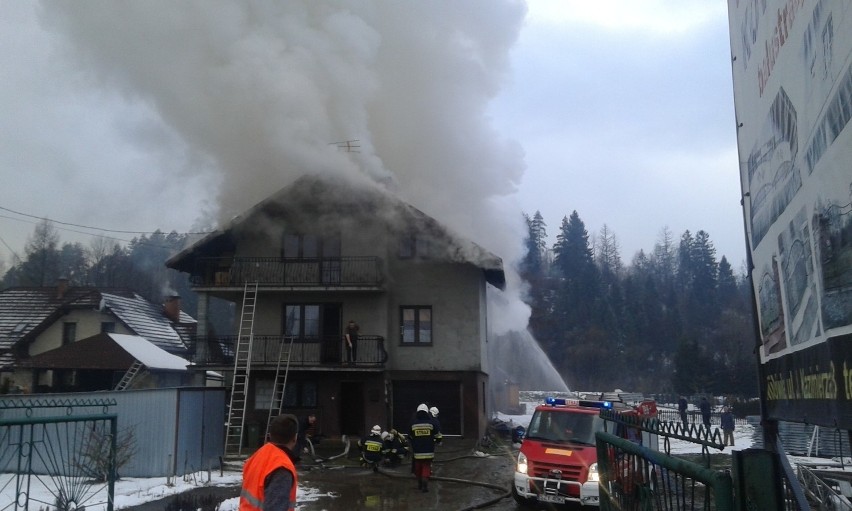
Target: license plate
552,499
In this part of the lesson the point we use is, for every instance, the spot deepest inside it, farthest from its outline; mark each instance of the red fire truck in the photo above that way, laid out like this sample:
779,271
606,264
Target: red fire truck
557,462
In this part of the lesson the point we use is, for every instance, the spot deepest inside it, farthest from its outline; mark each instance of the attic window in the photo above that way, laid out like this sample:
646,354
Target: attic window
20,327
413,245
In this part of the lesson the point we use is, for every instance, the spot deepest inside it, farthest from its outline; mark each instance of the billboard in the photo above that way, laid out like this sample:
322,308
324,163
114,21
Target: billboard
792,76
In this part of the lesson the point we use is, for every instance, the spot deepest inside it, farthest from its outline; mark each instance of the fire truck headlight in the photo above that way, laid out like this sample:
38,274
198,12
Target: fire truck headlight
594,477
522,463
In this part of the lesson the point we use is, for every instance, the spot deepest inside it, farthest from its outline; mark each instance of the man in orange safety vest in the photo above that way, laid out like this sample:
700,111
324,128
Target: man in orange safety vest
269,475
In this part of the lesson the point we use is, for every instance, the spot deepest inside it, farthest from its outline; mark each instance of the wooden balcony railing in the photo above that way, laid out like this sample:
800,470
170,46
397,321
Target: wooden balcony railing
316,352
274,271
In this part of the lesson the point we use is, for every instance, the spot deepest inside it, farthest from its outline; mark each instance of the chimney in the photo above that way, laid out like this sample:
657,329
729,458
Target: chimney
61,287
171,308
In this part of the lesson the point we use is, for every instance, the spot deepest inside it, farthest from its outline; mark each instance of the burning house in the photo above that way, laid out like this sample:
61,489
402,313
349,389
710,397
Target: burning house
320,252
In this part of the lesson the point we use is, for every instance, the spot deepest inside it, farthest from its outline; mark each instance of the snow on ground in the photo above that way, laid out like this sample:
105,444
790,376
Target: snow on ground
131,491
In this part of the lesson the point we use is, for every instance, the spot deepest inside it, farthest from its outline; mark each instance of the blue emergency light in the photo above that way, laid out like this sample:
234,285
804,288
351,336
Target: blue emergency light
554,401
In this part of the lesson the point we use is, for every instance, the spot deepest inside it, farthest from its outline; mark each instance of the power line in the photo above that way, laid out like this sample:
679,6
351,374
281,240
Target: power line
10,249
87,226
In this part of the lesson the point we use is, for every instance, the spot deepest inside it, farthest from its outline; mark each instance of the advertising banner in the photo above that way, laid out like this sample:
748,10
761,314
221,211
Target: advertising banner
792,76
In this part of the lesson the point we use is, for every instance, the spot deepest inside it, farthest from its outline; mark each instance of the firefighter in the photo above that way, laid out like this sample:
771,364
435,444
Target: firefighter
372,448
396,447
423,435
269,475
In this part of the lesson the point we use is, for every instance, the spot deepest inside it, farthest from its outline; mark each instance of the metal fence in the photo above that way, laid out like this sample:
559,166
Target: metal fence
636,477
55,457
168,432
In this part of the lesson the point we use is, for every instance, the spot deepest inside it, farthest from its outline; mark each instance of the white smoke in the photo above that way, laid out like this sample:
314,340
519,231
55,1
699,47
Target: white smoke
260,92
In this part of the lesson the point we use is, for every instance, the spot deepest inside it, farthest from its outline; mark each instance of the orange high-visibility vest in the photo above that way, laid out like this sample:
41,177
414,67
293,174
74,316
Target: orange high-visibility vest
262,463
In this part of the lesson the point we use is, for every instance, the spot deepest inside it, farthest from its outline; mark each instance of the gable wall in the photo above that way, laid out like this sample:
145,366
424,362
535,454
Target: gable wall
88,324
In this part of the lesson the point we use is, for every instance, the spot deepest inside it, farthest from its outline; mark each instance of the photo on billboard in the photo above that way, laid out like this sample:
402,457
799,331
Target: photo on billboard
792,77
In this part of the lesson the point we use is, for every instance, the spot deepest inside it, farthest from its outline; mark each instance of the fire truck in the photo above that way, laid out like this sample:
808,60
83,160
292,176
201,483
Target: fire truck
557,462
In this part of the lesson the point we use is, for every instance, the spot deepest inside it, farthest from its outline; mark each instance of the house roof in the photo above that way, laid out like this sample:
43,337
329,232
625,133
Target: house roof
311,197
146,319
107,352
25,312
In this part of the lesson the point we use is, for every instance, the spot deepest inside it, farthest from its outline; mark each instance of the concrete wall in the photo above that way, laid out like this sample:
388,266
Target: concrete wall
453,292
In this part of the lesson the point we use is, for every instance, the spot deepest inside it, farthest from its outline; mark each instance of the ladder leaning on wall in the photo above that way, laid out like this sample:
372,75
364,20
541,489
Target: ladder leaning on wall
280,386
242,368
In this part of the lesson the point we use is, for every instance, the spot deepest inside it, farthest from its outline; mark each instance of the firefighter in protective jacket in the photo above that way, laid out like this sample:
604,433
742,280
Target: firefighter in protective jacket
423,436
372,448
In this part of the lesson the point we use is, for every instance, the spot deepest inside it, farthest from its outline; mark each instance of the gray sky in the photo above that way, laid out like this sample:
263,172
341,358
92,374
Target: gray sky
173,115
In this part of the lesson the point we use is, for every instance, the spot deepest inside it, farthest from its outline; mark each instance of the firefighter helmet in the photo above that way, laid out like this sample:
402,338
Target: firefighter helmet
422,408
434,411
377,430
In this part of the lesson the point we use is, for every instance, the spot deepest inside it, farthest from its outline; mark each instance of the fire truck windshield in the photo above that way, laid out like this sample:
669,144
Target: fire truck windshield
561,426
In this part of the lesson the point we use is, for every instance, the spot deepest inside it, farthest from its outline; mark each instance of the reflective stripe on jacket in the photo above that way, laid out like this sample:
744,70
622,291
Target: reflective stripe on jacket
255,471
372,449
422,440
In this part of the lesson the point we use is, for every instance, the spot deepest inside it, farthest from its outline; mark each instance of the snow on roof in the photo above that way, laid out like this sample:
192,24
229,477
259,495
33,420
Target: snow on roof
145,319
149,354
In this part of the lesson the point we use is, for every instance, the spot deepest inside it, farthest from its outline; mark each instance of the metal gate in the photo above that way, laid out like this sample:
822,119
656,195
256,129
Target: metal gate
55,458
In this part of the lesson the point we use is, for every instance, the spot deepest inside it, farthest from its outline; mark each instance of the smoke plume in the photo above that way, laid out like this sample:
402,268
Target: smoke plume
262,92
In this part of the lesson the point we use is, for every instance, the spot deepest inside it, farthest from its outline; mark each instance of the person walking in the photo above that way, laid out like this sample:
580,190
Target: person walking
682,407
351,337
704,406
423,436
269,475
727,426
372,448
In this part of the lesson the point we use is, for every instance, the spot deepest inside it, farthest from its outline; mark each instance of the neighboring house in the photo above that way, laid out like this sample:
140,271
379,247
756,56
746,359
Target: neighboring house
322,253
34,320
96,362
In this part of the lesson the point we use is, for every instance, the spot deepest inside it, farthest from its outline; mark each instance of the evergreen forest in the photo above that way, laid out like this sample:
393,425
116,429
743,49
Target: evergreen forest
674,320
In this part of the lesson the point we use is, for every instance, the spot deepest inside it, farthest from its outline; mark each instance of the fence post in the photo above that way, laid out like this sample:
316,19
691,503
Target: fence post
757,481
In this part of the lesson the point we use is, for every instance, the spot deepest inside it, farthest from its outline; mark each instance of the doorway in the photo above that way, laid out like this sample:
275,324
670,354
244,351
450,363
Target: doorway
351,408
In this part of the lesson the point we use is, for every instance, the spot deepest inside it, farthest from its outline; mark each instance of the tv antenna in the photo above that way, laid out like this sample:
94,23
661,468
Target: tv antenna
349,146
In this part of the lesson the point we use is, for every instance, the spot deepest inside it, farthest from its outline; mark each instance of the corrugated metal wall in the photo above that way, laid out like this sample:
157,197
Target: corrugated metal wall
796,437
176,430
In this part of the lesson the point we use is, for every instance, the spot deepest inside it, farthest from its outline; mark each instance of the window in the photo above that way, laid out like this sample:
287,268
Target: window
300,394
108,327
69,333
309,246
414,245
416,325
263,394
302,321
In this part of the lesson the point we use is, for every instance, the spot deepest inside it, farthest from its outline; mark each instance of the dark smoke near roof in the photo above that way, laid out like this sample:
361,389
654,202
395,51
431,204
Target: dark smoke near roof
259,93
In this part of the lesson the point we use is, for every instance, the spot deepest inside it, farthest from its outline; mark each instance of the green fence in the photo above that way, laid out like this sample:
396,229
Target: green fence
53,458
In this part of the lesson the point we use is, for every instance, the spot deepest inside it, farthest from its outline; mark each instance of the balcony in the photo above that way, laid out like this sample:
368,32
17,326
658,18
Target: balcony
342,272
326,352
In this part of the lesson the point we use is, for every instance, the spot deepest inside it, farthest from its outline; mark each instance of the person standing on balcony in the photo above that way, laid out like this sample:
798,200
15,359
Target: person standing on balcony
351,337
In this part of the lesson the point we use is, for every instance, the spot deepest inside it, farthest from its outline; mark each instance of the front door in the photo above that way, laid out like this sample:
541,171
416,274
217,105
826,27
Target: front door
351,408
